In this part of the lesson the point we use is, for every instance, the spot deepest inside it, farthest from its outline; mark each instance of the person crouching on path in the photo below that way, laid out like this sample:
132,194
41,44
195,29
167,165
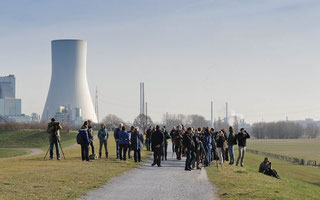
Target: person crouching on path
85,141
103,136
123,143
242,143
136,144
157,146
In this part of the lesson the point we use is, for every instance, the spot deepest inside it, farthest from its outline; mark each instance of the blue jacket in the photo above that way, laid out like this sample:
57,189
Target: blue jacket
136,140
84,136
123,137
207,140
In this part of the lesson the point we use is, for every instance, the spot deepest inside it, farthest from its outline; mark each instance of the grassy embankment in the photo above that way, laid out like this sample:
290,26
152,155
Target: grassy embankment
32,178
297,182
16,143
307,149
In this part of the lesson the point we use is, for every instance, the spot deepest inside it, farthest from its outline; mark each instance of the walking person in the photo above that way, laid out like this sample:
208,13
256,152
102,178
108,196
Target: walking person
172,138
123,143
231,142
242,142
157,146
136,144
103,136
178,142
53,130
220,146
84,142
116,138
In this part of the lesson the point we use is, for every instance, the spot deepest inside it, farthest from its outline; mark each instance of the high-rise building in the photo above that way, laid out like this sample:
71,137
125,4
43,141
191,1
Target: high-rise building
9,105
69,85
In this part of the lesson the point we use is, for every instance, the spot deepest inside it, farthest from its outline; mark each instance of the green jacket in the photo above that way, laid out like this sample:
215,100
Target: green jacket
231,139
54,130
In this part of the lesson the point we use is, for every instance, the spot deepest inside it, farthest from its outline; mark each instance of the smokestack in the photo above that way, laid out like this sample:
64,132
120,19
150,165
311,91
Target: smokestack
211,113
141,98
227,117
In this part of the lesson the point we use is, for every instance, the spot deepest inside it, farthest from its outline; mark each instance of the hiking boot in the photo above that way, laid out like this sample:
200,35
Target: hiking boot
153,164
58,158
99,154
50,158
107,154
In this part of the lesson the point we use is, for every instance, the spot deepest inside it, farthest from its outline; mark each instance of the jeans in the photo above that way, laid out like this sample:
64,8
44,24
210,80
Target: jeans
92,147
242,150
231,152
220,154
52,143
148,144
208,157
137,155
117,149
105,143
85,152
123,151
165,151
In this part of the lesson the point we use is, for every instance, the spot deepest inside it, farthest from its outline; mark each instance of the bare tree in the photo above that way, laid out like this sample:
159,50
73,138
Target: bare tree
311,130
112,121
143,122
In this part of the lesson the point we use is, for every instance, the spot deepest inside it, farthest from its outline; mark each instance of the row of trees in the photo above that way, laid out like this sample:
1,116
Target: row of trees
284,130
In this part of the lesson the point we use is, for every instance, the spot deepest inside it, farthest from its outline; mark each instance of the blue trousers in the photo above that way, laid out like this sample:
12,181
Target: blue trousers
208,157
117,149
54,143
231,153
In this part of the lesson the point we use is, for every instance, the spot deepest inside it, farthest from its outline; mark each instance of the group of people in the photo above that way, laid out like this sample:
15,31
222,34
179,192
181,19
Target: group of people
200,146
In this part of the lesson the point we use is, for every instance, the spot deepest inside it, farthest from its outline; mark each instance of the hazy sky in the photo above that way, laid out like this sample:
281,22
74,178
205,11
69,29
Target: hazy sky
262,56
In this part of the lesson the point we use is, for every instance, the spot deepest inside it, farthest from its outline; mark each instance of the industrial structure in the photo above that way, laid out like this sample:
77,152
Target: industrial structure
142,98
69,89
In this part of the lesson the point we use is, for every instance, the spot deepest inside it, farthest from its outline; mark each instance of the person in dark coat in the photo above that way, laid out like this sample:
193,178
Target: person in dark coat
189,145
266,168
148,138
116,138
157,146
165,143
172,138
90,134
242,143
178,142
84,143
136,144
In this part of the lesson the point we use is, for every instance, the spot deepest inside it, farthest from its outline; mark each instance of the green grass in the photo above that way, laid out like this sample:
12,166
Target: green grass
12,152
32,178
32,139
297,182
307,149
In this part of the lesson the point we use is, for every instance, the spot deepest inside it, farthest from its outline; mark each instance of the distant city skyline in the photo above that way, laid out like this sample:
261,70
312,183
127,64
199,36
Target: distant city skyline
259,56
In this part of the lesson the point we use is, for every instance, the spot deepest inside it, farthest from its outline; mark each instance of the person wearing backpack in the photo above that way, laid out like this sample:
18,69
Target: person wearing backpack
231,142
103,136
136,144
84,141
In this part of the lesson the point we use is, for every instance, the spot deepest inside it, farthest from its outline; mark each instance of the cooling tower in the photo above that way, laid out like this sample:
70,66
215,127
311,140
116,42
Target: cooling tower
69,85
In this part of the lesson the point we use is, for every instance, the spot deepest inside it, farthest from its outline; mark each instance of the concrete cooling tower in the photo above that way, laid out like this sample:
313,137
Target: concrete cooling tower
69,85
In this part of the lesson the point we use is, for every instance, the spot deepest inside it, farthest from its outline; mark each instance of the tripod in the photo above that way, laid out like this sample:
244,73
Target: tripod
60,148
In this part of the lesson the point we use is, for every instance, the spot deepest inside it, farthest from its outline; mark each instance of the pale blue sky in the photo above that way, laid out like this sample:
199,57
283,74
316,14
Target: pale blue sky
262,56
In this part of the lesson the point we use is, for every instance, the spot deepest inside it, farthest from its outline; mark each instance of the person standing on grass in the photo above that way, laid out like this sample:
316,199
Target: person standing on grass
242,143
103,136
116,137
157,146
85,141
231,141
53,130
90,134
220,145
123,143
136,144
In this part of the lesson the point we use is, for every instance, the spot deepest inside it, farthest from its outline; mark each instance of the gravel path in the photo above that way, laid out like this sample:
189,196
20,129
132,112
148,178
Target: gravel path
168,182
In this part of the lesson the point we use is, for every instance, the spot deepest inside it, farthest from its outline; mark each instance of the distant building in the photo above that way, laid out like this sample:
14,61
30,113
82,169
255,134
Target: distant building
67,114
9,105
35,117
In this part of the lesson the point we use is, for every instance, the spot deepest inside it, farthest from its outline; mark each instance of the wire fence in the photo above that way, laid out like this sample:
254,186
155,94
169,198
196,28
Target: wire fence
286,158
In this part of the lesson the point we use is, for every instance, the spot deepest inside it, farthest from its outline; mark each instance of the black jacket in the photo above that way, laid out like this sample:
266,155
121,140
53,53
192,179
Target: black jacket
188,141
157,139
242,139
220,141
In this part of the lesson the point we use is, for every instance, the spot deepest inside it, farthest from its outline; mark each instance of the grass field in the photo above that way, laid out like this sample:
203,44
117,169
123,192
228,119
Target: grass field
297,182
14,143
32,178
308,149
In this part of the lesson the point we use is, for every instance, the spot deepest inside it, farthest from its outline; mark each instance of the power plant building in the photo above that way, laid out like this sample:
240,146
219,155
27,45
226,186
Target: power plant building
69,86
9,105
